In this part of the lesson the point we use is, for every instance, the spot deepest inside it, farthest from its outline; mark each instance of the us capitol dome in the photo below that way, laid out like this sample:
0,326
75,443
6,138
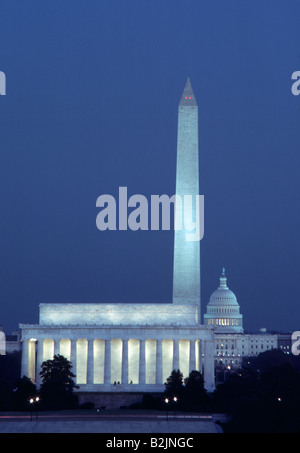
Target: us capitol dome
223,310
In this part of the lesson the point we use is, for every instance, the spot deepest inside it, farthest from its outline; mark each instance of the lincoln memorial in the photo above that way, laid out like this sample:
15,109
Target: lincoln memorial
136,345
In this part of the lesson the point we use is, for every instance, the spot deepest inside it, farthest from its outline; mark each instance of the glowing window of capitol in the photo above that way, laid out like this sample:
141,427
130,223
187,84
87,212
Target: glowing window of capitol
222,322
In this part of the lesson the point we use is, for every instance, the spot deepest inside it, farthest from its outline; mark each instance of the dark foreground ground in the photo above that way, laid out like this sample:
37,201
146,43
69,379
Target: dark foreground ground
109,422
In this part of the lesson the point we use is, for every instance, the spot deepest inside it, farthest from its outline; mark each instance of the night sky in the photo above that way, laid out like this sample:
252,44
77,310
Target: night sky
92,98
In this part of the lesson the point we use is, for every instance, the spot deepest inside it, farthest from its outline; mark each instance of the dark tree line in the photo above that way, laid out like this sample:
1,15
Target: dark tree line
56,390
263,396
186,394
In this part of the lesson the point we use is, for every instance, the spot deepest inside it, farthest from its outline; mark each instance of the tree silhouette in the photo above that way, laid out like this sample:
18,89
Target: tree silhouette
195,396
25,389
57,384
174,385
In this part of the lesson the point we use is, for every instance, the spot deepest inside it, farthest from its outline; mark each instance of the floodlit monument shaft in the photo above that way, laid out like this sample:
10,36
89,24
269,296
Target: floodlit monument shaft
186,272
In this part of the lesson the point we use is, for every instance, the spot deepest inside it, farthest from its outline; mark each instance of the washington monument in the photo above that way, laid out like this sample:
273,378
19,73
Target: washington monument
186,271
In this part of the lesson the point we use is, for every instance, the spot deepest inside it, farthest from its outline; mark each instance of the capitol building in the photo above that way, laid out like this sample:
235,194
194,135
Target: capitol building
231,343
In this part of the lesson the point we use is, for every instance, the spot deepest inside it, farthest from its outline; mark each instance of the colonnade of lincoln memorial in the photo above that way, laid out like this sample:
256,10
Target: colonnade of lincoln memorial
115,361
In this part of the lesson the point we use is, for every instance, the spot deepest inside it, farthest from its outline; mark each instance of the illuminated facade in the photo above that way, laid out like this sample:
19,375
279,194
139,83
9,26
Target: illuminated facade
135,346
230,349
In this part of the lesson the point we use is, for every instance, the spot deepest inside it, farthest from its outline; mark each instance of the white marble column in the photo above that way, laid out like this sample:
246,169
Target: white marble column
25,358
142,362
159,365
209,366
124,376
73,355
200,352
176,355
90,362
192,362
32,360
107,362
39,361
56,347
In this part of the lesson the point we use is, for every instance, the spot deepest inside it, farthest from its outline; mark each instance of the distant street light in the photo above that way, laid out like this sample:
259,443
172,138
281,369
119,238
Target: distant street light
37,399
31,401
175,399
167,402
34,404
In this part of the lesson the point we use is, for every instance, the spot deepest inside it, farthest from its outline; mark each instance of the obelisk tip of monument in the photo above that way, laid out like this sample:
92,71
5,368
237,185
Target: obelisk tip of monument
188,97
